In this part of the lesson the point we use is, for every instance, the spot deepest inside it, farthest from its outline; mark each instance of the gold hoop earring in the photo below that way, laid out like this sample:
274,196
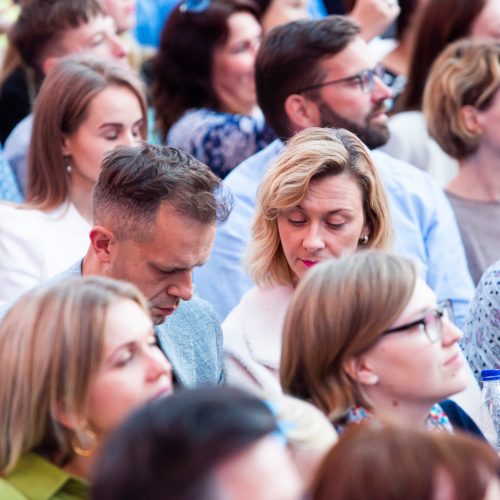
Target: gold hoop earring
83,441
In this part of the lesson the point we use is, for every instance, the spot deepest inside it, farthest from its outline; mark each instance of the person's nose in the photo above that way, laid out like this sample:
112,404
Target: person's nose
381,91
183,287
158,365
117,46
130,139
451,333
313,239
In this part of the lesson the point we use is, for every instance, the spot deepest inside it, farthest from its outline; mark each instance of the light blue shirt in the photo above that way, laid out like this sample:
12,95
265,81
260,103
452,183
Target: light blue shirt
9,189
17,148
425,230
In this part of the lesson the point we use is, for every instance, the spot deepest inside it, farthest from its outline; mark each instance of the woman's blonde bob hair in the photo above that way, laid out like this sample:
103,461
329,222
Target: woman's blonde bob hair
313,154
51,345
467,73
338,312
61,107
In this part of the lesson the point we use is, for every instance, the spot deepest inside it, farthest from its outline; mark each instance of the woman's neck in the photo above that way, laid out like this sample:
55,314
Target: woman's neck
80,196
399,411
81,466
478,178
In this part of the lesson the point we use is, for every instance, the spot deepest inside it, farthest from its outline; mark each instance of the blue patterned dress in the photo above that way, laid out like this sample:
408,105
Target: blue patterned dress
220,140
9,189
481,342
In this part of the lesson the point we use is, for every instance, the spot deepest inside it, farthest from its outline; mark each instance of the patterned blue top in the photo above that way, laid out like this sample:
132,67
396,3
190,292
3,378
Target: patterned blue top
220,140
9,189
481,342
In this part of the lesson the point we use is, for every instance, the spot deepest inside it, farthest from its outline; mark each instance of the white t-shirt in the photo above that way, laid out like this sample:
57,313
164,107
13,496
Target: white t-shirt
36,245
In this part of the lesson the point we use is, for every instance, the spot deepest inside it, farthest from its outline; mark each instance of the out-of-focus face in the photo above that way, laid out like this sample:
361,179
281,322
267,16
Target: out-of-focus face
114,117
329,222
282,12
123,13
264,471
489,123
345,105
162,265
487,23
98,37
133,370
410,369
233,65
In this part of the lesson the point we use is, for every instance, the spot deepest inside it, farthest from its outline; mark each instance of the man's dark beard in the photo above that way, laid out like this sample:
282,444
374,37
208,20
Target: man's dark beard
373,135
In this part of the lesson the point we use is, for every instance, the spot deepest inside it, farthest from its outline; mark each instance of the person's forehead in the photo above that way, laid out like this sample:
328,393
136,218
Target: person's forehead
86,30
353,58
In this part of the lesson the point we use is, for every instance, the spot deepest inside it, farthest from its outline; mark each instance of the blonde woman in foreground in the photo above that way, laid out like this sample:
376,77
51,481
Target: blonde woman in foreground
76,358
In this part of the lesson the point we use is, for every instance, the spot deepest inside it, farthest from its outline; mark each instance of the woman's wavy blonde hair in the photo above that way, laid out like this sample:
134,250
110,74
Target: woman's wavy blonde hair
338,312
51,345
312,154
466,73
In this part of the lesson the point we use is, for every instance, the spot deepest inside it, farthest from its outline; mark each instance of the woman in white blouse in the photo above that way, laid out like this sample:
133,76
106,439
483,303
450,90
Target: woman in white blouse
85,107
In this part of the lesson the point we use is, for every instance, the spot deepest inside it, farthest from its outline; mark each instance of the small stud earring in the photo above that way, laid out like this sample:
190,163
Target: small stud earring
67,163
363,240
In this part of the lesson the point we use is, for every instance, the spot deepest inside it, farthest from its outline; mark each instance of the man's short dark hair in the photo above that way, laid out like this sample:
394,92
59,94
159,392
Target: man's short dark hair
134,181
289,60
39,27
169,448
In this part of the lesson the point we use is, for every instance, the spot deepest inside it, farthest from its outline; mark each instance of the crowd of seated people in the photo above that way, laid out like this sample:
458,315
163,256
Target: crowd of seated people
219,279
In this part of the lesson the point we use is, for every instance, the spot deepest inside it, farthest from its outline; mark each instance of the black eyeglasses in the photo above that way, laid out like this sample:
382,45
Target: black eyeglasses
194,5
365,79
431,323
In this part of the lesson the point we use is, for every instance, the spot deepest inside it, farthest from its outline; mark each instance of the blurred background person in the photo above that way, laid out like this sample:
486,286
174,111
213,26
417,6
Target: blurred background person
321,200
462,108
76,358
393,463
201,444
203,84
44,32
86,106
482,325
442,22
365,338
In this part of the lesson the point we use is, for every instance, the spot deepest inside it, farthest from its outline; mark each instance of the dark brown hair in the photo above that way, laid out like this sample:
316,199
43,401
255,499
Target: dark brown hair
289,59
61,107
442,22
395,463
41,24
182,70
134,181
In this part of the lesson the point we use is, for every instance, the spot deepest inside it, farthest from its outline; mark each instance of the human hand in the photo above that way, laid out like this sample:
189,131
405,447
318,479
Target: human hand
375,16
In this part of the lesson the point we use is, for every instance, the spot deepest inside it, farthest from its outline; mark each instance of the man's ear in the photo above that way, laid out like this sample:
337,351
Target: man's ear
302,113
100,241
359,369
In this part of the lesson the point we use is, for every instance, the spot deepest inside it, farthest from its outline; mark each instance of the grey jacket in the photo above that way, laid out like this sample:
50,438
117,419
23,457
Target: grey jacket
191,339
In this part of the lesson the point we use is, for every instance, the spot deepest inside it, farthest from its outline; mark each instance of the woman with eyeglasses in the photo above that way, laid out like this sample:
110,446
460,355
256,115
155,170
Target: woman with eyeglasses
203,82
365,338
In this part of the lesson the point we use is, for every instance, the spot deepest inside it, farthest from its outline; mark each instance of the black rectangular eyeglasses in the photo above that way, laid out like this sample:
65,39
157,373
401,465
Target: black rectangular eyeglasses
431,323
365,78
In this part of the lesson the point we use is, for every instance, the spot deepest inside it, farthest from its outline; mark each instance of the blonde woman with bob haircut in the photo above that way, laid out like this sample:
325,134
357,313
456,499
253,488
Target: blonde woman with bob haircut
462,107
322,199
364,337
85,107
76,357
